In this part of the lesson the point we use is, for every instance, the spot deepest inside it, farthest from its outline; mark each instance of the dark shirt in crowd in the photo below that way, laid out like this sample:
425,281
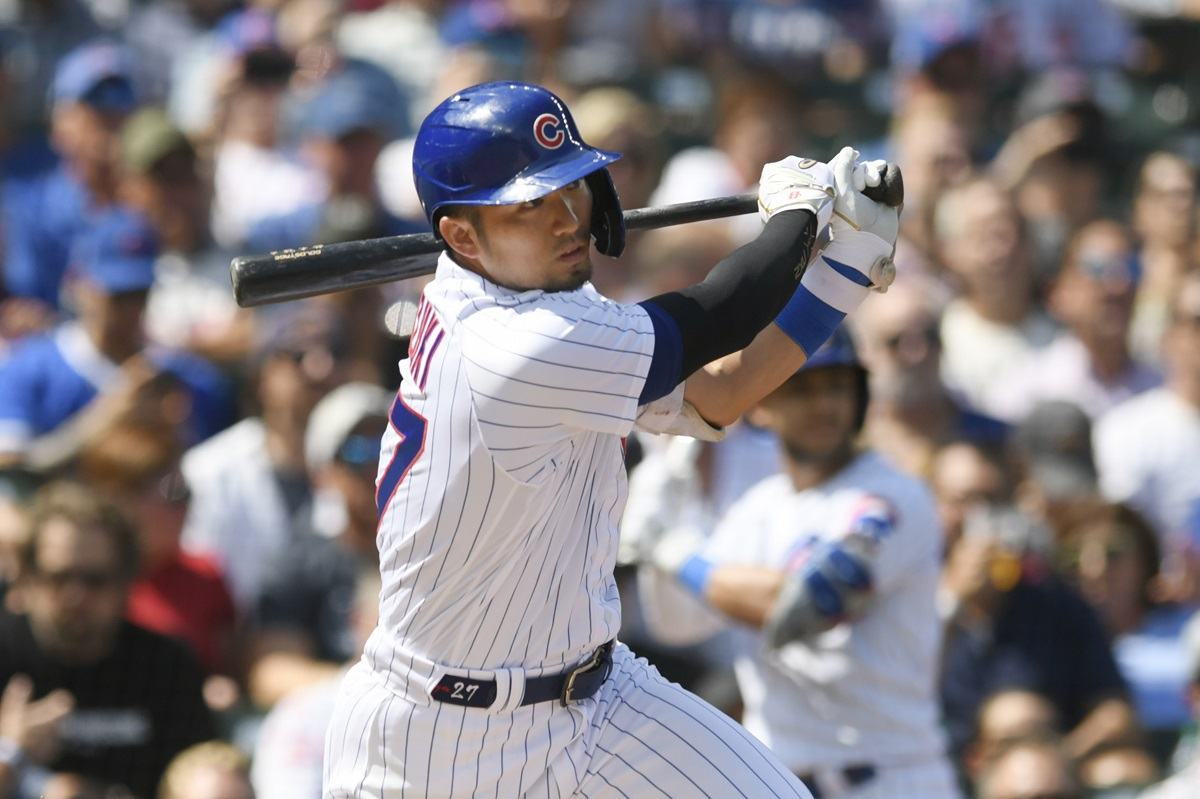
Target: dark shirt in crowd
1044,639
311,592
134,710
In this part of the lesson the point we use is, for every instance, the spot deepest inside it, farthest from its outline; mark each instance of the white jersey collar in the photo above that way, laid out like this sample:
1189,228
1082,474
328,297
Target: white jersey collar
447,269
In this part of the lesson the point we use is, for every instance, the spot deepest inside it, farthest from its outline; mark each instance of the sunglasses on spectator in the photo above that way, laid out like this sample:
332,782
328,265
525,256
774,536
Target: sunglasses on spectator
359,451
1103,269
89,579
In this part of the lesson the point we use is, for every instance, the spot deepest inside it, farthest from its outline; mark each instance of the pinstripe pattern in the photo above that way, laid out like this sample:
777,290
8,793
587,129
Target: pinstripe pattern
641,736
497,540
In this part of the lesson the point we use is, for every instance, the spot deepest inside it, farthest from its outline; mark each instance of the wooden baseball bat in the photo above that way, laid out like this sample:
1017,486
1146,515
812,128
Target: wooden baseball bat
326,268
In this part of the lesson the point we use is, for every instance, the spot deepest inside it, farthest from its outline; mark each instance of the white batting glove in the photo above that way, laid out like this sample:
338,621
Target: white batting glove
864,232
796,183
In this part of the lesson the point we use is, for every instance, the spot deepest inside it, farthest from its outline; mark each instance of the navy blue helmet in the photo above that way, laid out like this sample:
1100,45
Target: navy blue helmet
839,350
505,142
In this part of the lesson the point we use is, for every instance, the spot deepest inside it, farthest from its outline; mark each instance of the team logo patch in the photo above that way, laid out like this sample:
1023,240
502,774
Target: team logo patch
805,163
548,131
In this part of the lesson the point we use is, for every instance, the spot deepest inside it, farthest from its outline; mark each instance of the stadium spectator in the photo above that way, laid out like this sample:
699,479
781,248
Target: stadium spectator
241,76
57,390
1052,451
302,626
1089,363
1030,768
1013,625
133,696
1145,446
136,465
249,484
1112,554
344,126
1186,763
994,326
912,411
965,476
209,770
190,305
1164,219
92,94
290,747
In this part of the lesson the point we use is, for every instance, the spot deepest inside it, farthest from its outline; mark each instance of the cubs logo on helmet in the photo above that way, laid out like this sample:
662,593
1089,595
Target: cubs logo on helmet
547,129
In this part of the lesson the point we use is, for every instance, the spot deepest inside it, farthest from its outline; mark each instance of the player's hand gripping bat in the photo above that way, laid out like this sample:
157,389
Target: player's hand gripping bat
327,268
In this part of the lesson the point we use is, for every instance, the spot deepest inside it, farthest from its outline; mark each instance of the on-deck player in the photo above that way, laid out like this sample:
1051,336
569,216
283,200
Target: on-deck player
837,558
493,670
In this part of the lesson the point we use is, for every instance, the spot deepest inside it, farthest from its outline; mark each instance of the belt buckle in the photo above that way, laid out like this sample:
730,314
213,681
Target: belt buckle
583,668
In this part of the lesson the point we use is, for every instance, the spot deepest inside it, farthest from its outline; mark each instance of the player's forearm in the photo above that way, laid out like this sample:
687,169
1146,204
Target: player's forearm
725,389
744,593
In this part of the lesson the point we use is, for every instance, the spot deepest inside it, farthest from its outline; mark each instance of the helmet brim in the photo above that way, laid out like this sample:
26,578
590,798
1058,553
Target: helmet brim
546,180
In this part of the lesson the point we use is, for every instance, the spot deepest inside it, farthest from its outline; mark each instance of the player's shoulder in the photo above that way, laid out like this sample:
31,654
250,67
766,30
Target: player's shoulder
873,475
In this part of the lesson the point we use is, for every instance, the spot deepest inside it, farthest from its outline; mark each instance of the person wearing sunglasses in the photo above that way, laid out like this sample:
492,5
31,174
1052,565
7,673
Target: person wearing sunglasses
129,699
1089,363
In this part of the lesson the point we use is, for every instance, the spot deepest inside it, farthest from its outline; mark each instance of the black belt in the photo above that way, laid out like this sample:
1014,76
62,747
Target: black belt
853,775
581,682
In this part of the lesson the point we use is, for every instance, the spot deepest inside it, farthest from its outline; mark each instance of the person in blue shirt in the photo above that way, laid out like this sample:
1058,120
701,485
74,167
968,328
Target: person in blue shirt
57,389
344,125
92,94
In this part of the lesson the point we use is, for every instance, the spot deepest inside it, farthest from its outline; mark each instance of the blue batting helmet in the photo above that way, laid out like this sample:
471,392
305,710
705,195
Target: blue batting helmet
506,142
839,350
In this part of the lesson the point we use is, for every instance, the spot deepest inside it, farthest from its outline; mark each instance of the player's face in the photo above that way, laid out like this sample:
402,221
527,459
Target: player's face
540,244
814,413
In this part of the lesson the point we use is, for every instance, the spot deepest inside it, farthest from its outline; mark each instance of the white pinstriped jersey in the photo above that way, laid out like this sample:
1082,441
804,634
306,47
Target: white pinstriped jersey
501,481
501,487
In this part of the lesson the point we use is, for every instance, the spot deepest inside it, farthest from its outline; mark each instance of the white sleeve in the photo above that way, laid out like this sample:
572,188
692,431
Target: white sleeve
565,359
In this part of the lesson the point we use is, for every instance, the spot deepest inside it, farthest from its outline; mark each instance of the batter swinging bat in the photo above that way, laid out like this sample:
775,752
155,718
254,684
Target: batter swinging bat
327,268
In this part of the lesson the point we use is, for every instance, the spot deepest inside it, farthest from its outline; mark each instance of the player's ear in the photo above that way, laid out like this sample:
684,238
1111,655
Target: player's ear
460,235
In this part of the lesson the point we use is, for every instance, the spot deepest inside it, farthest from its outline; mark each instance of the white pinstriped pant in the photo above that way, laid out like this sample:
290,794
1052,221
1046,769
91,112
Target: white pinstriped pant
639,736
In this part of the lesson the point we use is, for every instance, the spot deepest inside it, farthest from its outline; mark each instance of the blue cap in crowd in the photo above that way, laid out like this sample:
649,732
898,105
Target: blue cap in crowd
116,252
99,74
246,30
360,96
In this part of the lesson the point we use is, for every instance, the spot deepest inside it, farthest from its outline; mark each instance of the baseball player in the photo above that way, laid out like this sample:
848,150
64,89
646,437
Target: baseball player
493,670
837,561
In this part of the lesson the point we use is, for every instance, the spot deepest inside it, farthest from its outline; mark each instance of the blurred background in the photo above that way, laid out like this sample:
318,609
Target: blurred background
1037,361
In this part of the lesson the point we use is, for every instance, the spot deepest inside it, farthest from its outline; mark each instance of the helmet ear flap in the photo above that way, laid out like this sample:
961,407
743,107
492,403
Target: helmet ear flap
608,223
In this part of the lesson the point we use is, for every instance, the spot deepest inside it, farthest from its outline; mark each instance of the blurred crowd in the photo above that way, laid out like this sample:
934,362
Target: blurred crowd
187,556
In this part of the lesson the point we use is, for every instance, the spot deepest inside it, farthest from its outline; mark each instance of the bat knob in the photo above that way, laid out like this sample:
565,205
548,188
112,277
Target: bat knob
890,191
